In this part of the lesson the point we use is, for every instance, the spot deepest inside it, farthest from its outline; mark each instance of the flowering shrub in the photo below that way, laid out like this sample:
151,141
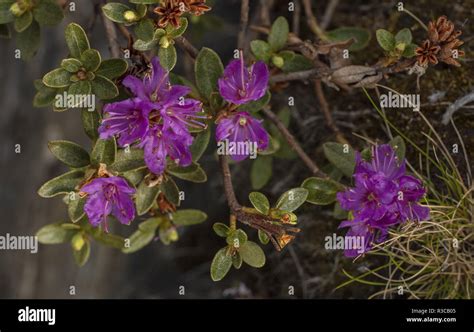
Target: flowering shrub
149,126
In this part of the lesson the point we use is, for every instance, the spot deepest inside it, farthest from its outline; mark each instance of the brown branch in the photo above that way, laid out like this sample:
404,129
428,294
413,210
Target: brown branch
184,44
111,34
294,144
296,18
328,13
244,19
228,187
323,103
311,20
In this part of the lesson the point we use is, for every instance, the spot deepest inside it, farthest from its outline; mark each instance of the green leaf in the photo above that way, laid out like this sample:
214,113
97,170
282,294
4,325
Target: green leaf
23,22
261,49
260,202
193,173
75,207
72,65
112,68
294,63
341,156
200,143
261,171
237,260
110,240
104,88
115,11
145,198
188,217
170,190
273,146
263,238
321,191
145,29
29,40
151,224
6,15
104,152
82,256
279,33
69,153
361,36
128,160
252,254
62,184
409,51
168,57
57,78
292,199
221,229
48,13
385,39
45,95
76,40
236,238
403,36
173,32
398,144
54,234
91,59
145,2
220,265
257,105
138,240
80,89
339,213
208,69
90,122
142,45
136,176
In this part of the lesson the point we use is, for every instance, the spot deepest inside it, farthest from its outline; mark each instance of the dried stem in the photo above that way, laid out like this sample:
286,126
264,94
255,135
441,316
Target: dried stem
228,187
111,34
323,103
294,144
187,47
296,18
311,20
244,19
328,13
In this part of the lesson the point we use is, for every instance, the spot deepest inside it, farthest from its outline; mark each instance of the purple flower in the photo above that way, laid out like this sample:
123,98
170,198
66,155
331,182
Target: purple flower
157,118
240,84
161,143
111,195
383,196
241,128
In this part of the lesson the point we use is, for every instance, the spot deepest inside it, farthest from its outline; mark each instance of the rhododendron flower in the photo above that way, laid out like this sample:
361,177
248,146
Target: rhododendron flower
110,195
157,118
240,84
383,196
242,128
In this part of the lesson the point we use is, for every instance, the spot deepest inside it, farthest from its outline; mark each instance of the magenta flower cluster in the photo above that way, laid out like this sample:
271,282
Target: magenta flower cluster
157,118
238,86
383,196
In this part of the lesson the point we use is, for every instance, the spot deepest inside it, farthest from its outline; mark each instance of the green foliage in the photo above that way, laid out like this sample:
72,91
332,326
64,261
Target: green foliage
260,202
360,36
62,184
292,199
69,153
396,46
261,171
278,34
342,156
321,191
208,69
145,197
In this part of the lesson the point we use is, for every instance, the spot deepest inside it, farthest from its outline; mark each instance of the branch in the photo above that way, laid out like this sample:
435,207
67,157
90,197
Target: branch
185,45
111,34
228,187
294,144
244,19
311,20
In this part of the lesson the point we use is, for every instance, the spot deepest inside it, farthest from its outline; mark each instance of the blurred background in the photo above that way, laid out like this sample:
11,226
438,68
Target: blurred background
157,271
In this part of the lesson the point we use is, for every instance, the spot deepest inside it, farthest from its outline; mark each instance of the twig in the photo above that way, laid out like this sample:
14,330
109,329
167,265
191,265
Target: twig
187,46
111,34
311,20
323,103
294,144
228,187
265,11
328,13
296,76
244,19
296,17
457,105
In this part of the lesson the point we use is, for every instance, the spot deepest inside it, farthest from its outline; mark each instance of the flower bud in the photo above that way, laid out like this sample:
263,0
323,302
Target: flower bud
17,10
278,61
400,47
164,42
173,235
78,242
130,16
